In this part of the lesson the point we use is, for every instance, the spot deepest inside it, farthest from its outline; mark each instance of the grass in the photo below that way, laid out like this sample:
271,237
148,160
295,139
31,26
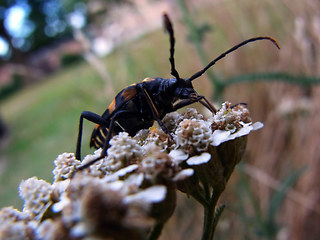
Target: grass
43,122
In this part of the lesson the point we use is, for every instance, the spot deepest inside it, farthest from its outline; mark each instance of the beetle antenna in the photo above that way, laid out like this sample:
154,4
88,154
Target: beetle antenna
198,74
169,28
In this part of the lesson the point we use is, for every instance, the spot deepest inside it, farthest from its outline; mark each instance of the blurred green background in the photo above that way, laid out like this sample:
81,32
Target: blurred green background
89,51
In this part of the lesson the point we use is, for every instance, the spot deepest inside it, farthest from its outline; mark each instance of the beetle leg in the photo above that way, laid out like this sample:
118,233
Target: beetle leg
207,104
184,103
155,112
106,144
200,99
237,104
92,117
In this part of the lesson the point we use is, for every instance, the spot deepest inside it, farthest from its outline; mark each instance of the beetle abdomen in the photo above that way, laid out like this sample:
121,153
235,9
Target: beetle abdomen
98,136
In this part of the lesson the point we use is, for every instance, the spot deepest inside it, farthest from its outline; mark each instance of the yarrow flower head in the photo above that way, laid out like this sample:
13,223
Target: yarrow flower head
66,164
193,135
16,225
36,195
132,191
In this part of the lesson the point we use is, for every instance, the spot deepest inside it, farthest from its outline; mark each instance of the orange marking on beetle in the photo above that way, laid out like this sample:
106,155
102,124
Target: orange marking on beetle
112,106
102,133
129,93
98,140
148,79
95,143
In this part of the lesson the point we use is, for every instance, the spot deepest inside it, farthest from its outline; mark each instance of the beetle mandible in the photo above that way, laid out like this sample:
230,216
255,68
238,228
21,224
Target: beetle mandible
137,106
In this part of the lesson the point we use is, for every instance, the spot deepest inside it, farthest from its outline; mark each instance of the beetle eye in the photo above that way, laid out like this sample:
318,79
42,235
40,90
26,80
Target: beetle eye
186,92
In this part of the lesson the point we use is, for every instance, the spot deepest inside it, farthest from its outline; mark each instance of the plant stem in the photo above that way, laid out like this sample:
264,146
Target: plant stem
207,224
200,197
210,218
273,76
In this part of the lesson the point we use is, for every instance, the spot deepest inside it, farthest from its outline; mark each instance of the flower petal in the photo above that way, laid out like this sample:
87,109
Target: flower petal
198,160
152,194
183,174
178,156
123,171
220,136
257,125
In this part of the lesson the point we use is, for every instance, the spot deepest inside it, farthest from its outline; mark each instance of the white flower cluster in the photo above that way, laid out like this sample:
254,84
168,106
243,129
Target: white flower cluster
66,164
16,225
193,134
124,195
36,195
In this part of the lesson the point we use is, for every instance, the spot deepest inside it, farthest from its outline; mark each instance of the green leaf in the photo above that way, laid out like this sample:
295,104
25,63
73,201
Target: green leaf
279,195
273,76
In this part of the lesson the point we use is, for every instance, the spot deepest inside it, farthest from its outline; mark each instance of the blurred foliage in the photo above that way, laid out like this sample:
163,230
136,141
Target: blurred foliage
45,22
262,224
68,60
302,80
11,88
197,36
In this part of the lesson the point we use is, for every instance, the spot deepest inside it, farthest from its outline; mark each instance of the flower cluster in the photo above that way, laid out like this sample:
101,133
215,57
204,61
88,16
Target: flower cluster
36,195
132,191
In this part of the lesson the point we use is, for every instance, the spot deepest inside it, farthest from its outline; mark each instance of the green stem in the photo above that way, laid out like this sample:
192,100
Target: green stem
210,218
200,197
273,76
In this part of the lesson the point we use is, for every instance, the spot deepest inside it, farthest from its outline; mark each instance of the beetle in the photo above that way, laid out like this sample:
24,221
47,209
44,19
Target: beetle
137,106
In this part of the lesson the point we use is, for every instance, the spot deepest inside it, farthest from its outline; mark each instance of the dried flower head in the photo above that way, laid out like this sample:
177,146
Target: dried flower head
192,113
65,164
229,117
157,166
132,191
124,151
159,138
15,224
52,229
171,120
193,135
36,195
18,231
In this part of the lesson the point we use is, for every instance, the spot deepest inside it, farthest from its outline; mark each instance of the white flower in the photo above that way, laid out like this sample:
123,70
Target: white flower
11,215
65,164
193,134
184,174
201,159
220,136
152,194
124,171
178,156
36,195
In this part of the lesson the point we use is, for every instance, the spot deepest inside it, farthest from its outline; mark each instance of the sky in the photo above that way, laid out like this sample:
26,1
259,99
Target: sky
14,18
3,47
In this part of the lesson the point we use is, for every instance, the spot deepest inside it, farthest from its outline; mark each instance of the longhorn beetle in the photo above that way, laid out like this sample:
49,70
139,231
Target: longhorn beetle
137,106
